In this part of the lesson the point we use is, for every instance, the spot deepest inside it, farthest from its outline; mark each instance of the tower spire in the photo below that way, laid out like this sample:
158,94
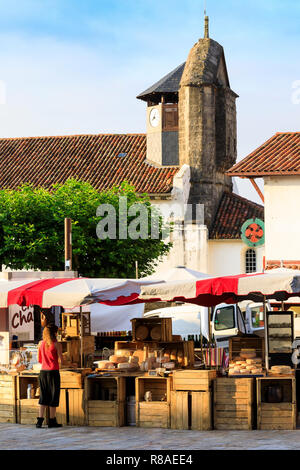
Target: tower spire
206,27
206,22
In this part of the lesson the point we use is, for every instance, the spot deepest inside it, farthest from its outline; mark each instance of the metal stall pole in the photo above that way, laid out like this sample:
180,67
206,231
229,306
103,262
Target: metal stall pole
81,338
209,337
266,335
68,244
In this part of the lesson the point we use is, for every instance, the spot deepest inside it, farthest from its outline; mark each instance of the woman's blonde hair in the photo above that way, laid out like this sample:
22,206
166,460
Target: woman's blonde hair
49,334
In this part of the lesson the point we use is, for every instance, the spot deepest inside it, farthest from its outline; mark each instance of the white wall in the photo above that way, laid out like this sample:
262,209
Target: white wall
282,217
227,257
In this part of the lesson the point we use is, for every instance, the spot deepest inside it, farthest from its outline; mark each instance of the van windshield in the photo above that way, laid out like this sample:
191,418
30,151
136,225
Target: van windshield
224,318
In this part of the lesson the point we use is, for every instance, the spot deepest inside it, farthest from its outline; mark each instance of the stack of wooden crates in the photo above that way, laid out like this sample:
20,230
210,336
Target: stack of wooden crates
8,398
105,401
155,413
191,399
235,398
72,396
280,415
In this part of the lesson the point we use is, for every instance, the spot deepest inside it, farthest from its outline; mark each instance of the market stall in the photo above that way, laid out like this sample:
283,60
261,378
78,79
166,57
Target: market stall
258,390
153,380
19,366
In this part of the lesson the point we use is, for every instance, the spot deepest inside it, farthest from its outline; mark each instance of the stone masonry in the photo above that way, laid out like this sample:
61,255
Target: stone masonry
207,124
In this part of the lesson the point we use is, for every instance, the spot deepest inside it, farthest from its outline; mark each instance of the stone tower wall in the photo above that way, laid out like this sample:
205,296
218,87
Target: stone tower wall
207,126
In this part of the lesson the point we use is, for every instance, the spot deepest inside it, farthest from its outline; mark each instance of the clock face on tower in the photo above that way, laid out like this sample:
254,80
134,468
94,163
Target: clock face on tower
154,117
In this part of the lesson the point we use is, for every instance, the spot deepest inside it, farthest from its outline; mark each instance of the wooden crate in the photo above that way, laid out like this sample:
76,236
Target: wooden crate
201,411
27,409
193,380
8,398
105,399
181,352
155,413
164,325
76,407
245,342
276,415
131,345
191,410
62,409
71,349
73,378
234,400
180,410
71,324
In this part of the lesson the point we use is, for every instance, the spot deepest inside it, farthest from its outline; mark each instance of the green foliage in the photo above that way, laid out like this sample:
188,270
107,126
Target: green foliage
32,231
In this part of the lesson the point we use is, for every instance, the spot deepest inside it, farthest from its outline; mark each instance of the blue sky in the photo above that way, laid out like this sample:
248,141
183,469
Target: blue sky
76,66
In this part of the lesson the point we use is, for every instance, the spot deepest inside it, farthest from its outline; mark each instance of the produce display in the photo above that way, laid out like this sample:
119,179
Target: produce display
125,359
246,363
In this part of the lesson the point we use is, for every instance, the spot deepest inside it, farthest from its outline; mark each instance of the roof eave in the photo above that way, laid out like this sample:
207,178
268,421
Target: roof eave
263,174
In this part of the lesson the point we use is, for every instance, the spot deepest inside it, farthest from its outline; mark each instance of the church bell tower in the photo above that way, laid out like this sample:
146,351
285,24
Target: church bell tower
207,124
191,119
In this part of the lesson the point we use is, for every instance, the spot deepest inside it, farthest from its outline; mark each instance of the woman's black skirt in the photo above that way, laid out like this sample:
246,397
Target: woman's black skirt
49,383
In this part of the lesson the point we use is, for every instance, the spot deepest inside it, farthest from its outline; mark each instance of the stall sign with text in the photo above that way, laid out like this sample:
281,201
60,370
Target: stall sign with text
21,322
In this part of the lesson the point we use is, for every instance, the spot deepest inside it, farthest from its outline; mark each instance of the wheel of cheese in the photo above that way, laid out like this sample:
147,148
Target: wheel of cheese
155,333
133,360
125,365
102,364
141,333
173,355
118,359
180,357
139,354
281,369
123,352
169,365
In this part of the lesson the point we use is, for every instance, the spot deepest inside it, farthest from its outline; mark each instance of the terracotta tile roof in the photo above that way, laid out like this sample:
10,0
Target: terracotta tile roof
232,212
280,155
103,160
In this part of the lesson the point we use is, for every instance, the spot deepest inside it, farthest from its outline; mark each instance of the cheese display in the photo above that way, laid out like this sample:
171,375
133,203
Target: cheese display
246,363
281,370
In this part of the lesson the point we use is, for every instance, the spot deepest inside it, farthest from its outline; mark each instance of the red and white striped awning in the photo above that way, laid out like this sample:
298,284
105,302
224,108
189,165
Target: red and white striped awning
69,293
229,289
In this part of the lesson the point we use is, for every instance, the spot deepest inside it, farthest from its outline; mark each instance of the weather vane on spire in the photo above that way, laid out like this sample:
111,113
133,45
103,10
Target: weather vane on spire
206,23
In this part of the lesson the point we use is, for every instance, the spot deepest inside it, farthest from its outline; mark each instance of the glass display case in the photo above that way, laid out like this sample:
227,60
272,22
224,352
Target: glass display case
280,332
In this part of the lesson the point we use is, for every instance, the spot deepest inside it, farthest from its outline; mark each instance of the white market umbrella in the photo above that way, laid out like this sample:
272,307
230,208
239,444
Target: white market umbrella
179,273
230,289
69,293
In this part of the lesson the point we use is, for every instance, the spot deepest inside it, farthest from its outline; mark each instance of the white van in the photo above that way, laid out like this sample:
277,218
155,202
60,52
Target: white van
227,320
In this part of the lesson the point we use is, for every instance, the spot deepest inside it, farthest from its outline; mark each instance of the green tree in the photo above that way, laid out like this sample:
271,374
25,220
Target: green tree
32,230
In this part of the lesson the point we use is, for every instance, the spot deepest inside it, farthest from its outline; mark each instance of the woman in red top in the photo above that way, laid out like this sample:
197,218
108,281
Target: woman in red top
50,355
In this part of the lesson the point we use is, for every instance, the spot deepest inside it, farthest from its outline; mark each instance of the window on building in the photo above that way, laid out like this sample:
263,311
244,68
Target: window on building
250,261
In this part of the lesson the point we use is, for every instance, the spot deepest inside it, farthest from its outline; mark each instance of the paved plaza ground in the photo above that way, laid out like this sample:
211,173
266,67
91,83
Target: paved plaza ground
21,437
